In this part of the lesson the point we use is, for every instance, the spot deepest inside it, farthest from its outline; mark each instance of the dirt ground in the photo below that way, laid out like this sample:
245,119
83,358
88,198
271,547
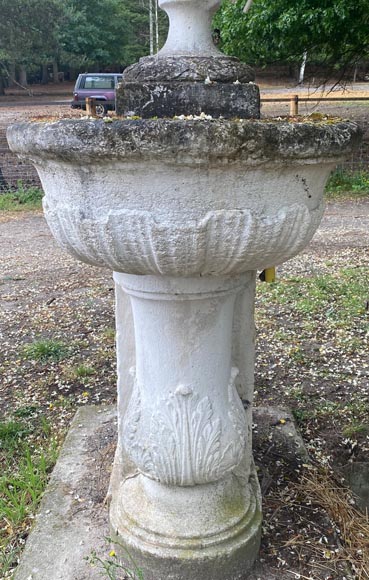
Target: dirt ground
45,294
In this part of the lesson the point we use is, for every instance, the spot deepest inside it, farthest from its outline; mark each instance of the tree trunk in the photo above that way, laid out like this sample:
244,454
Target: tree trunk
247,6
55,72
151,28
45,75
2,86
23,76
3,184
11,79
355,73
302,68
156,27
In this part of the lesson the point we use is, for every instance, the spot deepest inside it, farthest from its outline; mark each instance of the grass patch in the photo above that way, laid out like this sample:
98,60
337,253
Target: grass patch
349,184
83,371
356,428
48,349
109,334
27,455
338,297
21,198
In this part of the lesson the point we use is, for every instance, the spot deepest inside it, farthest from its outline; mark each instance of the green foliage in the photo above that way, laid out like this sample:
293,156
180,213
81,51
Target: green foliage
21,198
348,184
79,33
25,468
44,350
11,434
334,32
29,30
104,32
354,429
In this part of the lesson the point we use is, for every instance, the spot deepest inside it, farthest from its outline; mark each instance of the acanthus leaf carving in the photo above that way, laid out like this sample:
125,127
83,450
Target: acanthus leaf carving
185,439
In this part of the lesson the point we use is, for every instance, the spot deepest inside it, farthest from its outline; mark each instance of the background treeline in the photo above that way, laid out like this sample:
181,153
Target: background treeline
51,39
333,35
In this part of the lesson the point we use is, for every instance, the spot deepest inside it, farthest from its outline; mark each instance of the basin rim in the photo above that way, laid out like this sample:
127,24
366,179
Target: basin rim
248,141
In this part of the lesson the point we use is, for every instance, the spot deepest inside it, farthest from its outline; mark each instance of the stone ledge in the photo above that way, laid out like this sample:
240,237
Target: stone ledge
73,520
217,141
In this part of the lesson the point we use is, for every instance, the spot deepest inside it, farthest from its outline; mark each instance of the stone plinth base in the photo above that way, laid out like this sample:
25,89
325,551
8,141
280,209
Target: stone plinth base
210,532
189,85
168,99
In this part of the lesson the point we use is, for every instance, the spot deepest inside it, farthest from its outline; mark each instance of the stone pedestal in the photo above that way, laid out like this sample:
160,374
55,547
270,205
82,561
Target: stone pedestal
184,212
189,75
190,500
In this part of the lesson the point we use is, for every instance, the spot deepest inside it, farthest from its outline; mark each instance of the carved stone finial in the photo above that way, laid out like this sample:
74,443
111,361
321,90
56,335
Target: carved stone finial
190,27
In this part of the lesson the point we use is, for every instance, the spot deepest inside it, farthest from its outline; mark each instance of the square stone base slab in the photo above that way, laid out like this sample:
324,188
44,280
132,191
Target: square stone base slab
72,521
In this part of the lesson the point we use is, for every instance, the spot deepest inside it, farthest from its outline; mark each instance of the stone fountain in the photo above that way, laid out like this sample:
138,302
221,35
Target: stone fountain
184,210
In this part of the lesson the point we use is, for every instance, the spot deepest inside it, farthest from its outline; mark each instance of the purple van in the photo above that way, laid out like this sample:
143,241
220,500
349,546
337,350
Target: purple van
99,86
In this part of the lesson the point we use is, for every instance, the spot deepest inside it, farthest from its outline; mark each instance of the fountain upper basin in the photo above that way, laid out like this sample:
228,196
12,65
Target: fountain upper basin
180,197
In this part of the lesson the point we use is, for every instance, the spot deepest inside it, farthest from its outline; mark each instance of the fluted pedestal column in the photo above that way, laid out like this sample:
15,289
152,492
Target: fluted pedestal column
188,505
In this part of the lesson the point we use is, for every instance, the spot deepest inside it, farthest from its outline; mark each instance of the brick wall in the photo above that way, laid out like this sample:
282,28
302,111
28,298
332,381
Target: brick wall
13,169
360,159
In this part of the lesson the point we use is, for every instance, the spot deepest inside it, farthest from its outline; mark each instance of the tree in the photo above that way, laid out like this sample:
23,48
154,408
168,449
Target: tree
333,32
29,31
78,33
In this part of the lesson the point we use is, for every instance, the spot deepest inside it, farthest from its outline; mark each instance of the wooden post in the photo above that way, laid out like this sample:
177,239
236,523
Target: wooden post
91,107
294,106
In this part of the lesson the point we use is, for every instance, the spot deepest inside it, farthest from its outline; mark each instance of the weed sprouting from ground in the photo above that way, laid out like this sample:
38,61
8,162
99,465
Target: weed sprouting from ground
83,371
43,350
112,568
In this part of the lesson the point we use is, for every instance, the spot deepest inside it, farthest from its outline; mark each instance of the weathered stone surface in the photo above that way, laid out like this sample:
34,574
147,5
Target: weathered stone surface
167,99
200,205
177,141
277,425
221,69
194,208
214,551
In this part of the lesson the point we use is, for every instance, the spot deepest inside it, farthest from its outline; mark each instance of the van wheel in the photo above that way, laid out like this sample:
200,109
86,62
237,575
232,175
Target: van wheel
101,109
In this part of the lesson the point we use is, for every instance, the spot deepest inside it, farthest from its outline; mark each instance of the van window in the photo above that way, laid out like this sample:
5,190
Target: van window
97,82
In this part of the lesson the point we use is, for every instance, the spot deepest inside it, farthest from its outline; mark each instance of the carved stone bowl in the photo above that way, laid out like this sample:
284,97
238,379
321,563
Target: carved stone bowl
183,197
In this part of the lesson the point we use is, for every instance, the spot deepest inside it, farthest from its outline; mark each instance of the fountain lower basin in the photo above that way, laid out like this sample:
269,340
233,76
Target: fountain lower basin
183,198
